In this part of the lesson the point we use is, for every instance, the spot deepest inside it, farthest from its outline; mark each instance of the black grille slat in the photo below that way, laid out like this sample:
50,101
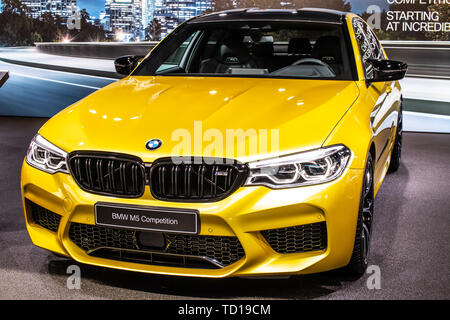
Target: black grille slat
135,178
111,176
224,250
87,167
123,177
194,182
174,180
43,217
187,178
201,171
108,175
162,172
229,178
303,238
100,173
214,180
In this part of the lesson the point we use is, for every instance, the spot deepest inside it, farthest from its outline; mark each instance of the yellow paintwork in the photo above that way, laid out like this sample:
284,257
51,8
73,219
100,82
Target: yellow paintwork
308,114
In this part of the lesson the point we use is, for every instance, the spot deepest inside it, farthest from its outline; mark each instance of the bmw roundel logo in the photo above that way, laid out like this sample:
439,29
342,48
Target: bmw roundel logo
153,144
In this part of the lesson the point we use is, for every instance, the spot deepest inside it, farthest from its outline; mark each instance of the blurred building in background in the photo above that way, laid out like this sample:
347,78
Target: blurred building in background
62,8
127,20
171,13
123,19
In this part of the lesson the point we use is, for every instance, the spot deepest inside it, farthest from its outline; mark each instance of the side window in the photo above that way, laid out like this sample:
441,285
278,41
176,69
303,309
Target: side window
369,47
177,57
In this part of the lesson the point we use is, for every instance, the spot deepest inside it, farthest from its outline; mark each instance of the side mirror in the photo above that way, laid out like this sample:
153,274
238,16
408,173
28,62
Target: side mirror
387,70
126,64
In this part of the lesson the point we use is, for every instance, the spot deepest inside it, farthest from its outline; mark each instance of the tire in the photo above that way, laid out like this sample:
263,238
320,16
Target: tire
358,262
397,150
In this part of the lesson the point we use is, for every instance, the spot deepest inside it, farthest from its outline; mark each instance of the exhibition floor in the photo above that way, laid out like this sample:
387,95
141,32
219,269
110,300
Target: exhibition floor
411,242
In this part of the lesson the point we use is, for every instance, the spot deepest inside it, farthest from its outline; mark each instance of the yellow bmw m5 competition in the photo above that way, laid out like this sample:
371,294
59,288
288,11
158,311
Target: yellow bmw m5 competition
247,143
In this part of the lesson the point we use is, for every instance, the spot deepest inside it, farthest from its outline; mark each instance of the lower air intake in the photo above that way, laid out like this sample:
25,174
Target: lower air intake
182,250
304,238
43,217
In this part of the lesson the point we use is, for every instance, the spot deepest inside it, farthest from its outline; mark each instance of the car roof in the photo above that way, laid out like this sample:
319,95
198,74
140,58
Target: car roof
304,14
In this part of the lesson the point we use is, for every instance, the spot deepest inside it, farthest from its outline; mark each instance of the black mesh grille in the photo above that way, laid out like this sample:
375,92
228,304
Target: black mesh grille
308,237
43,217
194,182
224,250
108,174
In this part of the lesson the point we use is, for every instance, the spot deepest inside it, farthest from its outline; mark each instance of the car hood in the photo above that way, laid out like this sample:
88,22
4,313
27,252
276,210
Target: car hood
123,116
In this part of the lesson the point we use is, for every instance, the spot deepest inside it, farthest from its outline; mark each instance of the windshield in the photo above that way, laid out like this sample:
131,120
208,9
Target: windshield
252,49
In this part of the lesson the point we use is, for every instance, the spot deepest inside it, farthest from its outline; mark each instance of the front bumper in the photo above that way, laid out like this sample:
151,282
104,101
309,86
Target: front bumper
244,214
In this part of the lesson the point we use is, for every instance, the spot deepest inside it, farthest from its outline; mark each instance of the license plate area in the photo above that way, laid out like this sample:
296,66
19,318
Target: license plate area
147,218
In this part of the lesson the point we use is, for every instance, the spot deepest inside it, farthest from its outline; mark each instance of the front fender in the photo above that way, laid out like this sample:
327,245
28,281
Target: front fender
354,130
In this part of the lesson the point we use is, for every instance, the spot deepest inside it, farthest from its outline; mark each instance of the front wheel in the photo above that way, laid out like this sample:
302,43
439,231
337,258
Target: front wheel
358,261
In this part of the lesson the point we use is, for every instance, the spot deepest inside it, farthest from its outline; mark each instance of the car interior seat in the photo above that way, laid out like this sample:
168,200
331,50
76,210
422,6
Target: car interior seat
263,51
232,53
328,50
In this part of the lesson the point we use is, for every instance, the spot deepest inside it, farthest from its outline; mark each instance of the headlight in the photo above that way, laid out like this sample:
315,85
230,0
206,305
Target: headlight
300,169
45,156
